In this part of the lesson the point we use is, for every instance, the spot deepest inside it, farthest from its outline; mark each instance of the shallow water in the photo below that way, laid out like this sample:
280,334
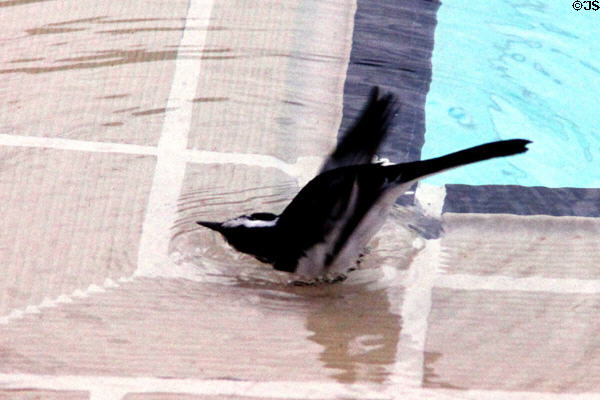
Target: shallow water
493,303
207,257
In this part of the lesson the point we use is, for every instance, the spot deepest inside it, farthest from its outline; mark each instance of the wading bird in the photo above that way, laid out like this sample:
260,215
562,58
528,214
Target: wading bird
324,229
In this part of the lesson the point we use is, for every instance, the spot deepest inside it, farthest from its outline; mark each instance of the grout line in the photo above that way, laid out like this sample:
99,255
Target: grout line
528,284
419,281
72,144
153,254
115,388
455,281
190,155
202,156
18,313
304,169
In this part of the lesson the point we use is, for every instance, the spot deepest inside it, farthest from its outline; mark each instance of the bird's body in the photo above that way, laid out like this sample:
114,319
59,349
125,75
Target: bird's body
326,226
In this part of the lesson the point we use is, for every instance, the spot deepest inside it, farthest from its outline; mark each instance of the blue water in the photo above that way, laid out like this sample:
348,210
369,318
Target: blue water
517,69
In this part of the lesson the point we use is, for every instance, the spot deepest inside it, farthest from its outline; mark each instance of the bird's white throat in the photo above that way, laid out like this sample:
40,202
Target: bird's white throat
250,223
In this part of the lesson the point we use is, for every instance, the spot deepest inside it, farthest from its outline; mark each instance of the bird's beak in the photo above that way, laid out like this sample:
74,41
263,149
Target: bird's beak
215,226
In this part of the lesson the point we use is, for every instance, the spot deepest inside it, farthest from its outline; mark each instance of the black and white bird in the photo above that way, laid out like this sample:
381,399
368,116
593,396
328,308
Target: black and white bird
324,229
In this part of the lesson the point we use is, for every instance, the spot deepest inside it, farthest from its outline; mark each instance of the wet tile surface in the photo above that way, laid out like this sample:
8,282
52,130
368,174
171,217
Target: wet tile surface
170,396
272,79
534,246
69,219
514,341
184,329
89,72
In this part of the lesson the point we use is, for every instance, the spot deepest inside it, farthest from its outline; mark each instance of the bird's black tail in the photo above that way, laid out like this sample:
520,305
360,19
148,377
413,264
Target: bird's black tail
420,169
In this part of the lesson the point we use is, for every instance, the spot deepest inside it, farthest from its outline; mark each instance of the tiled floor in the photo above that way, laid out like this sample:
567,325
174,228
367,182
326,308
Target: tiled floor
94,71
513,341
120,125
69,219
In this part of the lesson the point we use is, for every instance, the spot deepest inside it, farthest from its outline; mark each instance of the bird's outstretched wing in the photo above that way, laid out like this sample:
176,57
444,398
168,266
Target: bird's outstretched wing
360,143
329,208
321,210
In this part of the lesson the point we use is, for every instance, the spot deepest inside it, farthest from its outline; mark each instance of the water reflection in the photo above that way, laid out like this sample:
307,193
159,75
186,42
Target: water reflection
357,322
358,332
431,378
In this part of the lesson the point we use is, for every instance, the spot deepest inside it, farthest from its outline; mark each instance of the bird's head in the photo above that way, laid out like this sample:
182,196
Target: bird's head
253,234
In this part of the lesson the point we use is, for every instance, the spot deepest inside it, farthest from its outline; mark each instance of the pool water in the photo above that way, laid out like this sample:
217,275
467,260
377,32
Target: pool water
531,72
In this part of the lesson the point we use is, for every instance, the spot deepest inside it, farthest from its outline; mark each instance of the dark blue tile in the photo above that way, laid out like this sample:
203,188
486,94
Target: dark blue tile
520,200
